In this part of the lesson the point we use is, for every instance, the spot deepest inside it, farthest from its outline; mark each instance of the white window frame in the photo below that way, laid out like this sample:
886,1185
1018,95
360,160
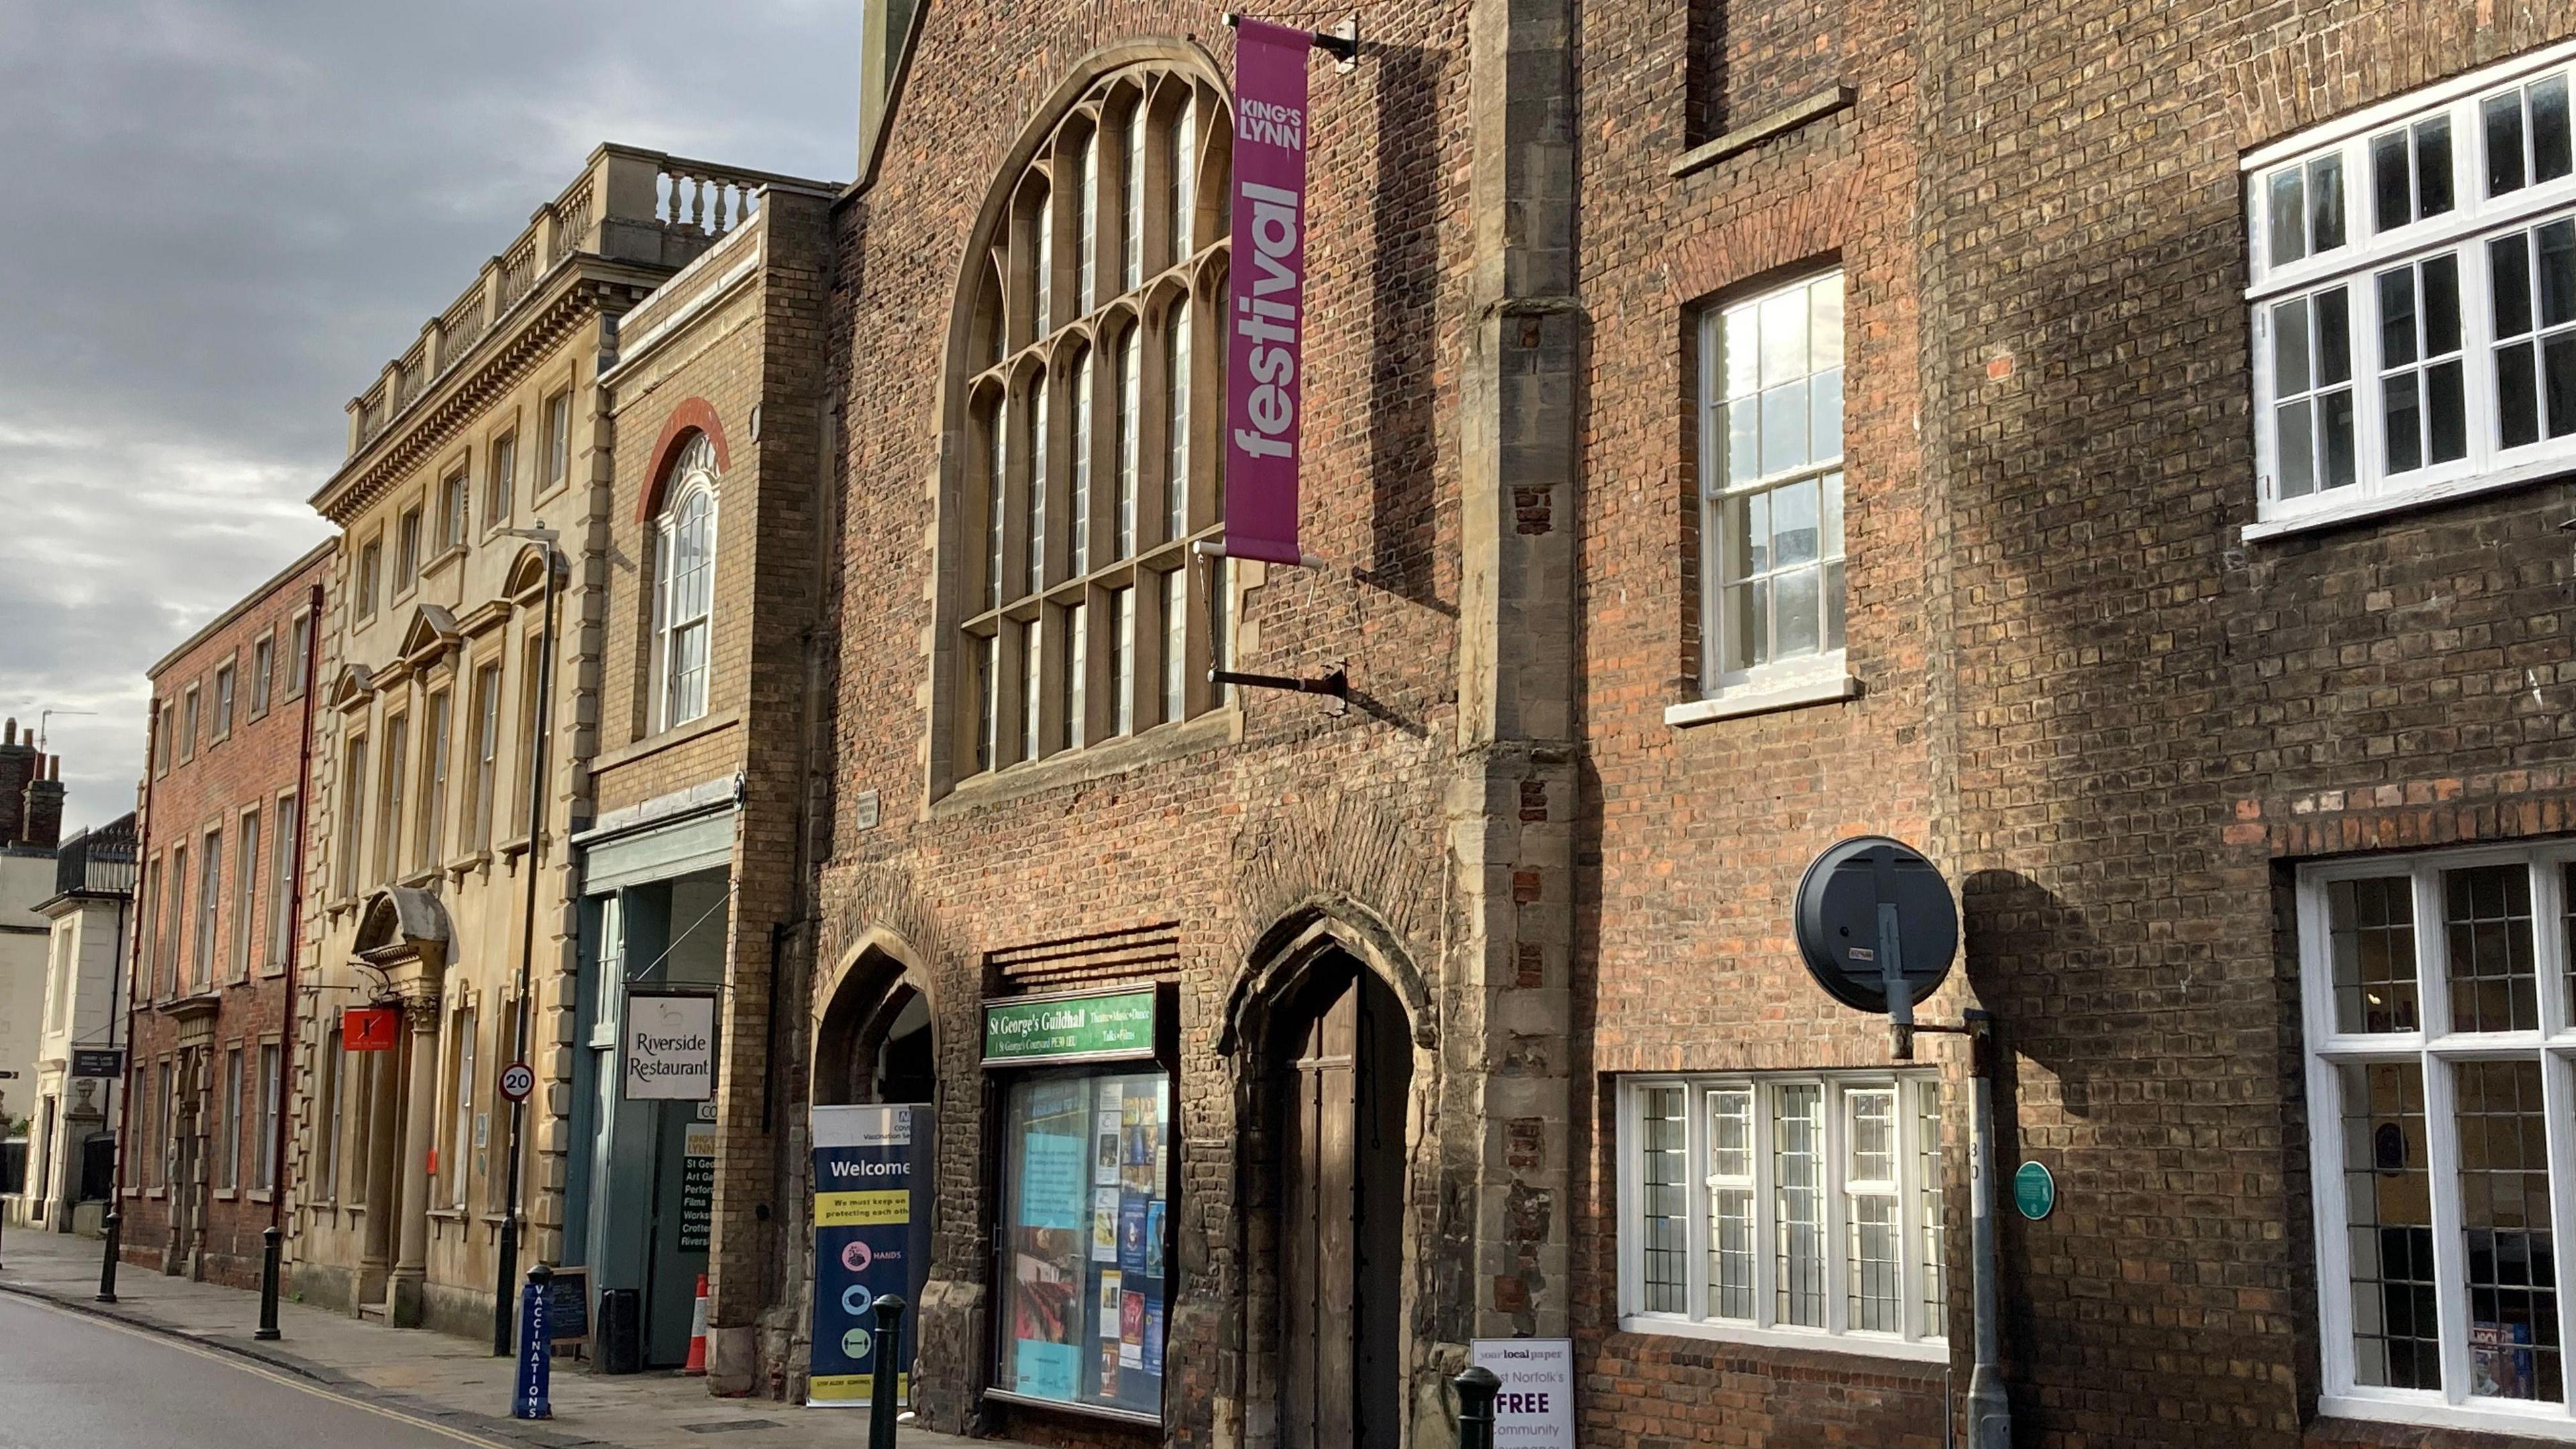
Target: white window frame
2474,220
1920,1340
695,480
1776,683
2438,1049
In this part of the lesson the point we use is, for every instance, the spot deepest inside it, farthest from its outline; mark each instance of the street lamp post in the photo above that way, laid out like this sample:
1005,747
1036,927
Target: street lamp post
508,1271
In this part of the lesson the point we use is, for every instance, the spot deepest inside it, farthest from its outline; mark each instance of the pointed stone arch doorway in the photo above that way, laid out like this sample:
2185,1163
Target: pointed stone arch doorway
874,1041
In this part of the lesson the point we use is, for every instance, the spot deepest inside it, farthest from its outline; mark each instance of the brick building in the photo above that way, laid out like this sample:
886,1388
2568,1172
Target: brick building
697,854
215,945
1743,430
463,654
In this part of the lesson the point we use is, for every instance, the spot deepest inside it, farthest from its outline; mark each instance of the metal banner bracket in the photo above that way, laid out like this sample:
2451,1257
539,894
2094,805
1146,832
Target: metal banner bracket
1342,42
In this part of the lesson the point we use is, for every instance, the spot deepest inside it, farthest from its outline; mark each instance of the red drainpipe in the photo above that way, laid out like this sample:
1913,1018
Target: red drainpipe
295,912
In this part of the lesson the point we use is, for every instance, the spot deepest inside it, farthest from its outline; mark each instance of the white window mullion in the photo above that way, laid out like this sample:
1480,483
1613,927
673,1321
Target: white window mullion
2333,1219
1632,1204
2450,1253
2558,1096
2432,959
1909,1214
2549,944
2477,339
1832,1140
1695,1170
1766,1216
2369,396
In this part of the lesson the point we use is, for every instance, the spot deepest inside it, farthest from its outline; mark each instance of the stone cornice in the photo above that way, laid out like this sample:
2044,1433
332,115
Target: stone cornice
589,287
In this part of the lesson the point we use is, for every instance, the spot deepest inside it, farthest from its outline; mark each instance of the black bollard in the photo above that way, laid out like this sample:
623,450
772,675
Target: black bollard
1476,1389
267,1329
107,1265
888,1349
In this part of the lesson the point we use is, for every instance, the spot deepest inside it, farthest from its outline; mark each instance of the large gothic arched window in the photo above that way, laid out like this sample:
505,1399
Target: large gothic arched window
1087,388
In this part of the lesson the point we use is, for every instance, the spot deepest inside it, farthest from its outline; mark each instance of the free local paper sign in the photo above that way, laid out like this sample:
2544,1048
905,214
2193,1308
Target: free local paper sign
1535,1409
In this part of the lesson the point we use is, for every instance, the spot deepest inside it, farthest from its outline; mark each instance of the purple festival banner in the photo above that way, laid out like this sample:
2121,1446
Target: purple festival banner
1263,386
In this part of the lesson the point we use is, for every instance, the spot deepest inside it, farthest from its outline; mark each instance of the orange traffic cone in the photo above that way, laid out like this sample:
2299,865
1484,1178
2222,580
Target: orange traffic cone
697,1363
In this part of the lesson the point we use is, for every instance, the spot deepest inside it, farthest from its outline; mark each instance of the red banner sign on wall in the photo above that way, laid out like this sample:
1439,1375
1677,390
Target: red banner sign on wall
369,1028
1264,351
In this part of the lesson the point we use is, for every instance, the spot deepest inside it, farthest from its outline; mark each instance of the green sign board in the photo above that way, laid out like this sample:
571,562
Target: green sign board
2034,1191
1106,1027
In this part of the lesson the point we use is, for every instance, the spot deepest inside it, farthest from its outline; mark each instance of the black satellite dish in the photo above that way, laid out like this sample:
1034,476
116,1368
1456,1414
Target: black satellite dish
1843,933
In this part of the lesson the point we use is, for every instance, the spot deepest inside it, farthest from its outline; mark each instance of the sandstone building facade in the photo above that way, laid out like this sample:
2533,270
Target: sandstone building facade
462,654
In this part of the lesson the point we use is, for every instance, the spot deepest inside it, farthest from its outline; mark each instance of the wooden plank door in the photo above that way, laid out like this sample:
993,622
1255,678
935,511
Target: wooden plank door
1319,1261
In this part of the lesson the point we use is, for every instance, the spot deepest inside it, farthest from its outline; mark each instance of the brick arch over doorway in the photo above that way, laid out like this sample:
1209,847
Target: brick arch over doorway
689,415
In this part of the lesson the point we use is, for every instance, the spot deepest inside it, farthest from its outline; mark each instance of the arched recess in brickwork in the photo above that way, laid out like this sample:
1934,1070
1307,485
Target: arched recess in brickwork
692,416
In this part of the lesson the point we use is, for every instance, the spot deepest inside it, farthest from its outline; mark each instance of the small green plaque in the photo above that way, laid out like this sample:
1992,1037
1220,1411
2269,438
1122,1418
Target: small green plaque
2034,1191
1105,1027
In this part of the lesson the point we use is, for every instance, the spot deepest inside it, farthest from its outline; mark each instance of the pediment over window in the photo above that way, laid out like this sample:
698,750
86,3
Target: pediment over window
351,688
527,575
432,633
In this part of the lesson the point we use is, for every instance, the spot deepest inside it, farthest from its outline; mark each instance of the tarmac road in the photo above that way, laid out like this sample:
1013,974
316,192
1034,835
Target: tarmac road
69,1379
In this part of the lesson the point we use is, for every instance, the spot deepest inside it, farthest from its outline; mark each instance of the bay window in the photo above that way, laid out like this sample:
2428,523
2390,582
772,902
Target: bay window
1785,1208
2414,298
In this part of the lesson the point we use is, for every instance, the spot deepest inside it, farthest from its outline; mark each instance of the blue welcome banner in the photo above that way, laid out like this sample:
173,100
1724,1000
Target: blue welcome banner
871,1238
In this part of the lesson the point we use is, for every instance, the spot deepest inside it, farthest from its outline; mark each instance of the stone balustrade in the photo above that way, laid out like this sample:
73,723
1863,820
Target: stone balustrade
628,205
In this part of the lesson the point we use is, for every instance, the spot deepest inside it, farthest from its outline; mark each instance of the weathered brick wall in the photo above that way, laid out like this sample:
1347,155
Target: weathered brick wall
1698,834
254,765
1186,824
2155,717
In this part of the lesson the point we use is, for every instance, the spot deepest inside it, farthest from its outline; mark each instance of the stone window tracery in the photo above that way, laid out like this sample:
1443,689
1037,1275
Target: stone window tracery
1081,386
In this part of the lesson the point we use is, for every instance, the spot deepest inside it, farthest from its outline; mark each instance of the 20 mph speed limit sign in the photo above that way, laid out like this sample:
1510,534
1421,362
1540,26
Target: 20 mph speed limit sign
517,1081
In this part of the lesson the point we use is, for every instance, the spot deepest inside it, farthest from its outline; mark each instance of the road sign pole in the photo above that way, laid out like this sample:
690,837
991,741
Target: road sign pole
1989,1408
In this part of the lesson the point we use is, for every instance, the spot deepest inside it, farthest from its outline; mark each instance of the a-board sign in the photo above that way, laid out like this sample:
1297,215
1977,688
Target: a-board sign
1102,1026
670,1047
568,1304
1535,1407
108,1062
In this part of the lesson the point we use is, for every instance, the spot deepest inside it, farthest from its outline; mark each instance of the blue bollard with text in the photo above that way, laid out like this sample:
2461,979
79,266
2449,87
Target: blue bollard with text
531,1399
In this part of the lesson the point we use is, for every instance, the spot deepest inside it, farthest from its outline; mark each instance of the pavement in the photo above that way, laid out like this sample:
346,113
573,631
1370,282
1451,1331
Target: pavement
449,1388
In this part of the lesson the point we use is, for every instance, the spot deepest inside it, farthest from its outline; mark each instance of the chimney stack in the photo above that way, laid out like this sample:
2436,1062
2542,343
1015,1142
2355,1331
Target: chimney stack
42,805
20,767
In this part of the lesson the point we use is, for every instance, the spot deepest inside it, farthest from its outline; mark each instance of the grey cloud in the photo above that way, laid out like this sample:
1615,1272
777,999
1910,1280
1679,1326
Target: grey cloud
229,213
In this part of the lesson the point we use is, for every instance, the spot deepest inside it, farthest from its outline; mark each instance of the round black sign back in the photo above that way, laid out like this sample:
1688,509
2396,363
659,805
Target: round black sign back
1837,920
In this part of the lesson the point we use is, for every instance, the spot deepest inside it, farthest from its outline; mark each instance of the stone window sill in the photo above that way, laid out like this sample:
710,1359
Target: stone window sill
1779,123
446,556
1109,758
1827,688
261,1195
699,728
226,1194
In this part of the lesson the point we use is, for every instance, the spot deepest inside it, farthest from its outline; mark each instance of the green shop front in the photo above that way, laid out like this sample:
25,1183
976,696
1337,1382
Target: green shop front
1081,1187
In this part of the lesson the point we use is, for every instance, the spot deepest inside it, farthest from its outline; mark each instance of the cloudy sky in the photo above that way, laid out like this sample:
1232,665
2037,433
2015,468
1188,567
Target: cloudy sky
225,215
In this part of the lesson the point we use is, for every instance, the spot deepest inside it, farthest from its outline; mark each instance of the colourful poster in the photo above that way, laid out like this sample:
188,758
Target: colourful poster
1265,385
1154,1241
1104,1224
869,1164
1134,1216
1131,1332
